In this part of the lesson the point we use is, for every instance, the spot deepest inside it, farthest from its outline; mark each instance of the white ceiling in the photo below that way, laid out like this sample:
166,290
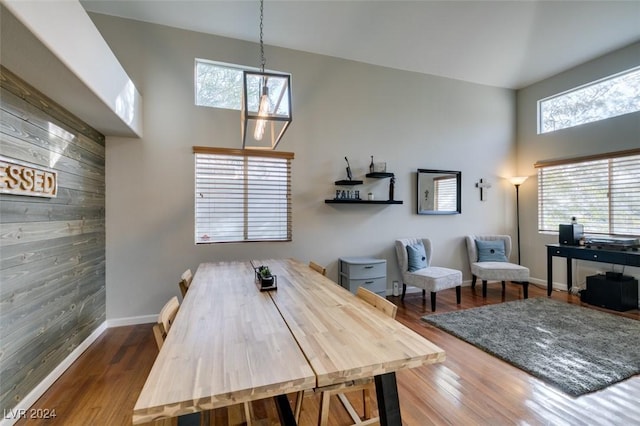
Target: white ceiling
508,44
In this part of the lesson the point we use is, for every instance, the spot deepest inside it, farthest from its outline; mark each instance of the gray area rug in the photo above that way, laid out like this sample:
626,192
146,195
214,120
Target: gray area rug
578,350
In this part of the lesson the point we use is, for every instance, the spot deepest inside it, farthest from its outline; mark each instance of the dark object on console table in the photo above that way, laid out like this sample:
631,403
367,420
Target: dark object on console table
618,257
571,234
619,294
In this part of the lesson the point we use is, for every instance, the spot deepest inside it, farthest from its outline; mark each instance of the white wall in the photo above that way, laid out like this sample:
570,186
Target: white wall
340,108
615,134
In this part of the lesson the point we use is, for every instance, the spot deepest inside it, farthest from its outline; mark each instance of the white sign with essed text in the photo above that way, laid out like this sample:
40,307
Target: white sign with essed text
20,178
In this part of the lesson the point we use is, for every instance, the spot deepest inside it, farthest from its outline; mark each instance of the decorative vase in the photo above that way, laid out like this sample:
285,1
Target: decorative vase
266,281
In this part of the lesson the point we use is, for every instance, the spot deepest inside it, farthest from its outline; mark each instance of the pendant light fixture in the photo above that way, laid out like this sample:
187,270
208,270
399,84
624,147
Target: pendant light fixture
266,103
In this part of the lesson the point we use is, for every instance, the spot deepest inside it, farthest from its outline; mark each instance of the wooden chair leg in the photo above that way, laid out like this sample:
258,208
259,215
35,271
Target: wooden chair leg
366,403
324,409
484,288
298,408
404,290
205,418
424,293
525,286
355,417
473,281
433,301
458,293
504,286
248,413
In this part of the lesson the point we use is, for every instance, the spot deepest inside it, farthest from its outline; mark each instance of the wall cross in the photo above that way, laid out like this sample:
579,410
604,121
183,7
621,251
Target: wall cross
483,186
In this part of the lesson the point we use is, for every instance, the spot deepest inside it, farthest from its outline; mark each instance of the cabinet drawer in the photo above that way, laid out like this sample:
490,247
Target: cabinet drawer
561,251
364,270
603,256
376,285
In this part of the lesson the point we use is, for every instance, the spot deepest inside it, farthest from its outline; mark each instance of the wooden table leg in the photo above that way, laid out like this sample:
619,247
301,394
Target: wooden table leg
388,403
284,411
189,420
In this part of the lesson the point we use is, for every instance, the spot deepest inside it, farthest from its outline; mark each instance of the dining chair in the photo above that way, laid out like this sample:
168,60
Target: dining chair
165,319
380,303
367,386
317,267
489,261
185,281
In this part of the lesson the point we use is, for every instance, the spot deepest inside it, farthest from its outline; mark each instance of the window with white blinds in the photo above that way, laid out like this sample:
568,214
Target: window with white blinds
603,193
446,190
242,195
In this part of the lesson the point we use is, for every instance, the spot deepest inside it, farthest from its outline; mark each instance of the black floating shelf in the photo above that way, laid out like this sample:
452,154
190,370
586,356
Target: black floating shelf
379,175
347,201
348,182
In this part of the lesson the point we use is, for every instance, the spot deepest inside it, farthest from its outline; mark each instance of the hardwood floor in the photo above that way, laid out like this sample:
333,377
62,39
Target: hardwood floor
469,388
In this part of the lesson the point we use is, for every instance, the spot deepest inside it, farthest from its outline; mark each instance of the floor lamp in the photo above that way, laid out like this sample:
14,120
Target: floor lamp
517,181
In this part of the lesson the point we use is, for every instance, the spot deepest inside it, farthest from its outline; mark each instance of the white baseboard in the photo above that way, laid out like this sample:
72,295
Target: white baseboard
11,416
410,289
467,283
142,319
543,283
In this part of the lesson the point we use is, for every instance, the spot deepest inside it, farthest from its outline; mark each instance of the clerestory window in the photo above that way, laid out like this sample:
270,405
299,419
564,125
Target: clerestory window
219,85
609,97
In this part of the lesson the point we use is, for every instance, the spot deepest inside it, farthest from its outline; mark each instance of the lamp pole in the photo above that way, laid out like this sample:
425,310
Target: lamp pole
518,218
517,181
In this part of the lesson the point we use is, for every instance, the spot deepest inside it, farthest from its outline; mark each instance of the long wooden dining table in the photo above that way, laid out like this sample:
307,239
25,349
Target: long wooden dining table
231,343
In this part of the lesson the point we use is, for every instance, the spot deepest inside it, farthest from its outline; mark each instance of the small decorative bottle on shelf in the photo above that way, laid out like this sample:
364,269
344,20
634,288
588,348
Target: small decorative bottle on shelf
349,176
392,182
371,165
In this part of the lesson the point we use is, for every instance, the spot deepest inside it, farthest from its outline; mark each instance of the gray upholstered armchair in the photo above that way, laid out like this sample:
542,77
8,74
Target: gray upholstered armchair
489,260
431,278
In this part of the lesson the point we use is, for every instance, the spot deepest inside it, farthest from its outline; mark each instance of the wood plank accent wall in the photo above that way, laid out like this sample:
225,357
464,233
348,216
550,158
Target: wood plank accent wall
52,250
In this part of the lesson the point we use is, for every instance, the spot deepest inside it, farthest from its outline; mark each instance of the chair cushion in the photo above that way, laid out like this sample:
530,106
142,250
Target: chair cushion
417,257
434,278
500,271
491,251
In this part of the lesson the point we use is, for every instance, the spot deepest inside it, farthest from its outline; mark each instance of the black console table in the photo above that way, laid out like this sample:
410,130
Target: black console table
626,257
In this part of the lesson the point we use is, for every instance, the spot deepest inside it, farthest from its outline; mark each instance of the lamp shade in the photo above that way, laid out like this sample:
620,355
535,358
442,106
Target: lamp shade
518,180
266,109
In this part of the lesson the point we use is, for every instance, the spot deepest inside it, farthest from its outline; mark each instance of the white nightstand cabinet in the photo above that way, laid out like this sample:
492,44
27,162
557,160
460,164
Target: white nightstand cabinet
368,272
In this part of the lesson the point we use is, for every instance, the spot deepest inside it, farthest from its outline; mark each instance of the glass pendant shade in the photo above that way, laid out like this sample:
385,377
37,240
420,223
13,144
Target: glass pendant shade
266,109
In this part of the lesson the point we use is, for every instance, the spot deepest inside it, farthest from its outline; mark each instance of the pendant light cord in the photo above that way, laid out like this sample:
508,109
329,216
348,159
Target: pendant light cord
263,61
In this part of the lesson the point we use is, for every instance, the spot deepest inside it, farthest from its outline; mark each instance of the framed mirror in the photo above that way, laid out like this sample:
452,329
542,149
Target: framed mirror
439,191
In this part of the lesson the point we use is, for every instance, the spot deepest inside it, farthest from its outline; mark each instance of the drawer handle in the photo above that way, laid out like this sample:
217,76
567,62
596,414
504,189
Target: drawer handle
558,252
368,267
595,256
369,282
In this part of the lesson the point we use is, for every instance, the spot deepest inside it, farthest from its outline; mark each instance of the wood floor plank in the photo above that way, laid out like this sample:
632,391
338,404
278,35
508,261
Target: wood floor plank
470,387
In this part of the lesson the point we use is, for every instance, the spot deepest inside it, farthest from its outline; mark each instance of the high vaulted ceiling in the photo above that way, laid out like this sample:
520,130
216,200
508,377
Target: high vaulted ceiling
508,44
